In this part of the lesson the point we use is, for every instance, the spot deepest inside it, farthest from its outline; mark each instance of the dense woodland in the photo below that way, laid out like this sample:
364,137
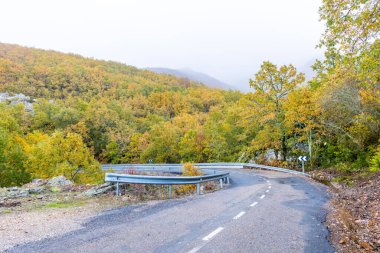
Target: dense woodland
87,111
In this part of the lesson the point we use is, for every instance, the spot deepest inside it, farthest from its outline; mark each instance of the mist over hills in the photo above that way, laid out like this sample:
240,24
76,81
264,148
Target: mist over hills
194,76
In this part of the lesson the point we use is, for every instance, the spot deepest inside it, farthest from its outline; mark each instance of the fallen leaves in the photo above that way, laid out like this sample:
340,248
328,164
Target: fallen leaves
354,218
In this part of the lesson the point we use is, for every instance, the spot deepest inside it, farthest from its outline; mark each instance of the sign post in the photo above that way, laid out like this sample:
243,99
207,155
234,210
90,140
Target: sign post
303,159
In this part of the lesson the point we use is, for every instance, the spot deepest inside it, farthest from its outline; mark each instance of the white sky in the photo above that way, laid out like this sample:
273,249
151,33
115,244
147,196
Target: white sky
227,39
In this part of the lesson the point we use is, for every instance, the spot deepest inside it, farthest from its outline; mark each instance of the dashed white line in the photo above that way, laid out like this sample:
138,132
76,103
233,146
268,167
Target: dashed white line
239,215
267,191
269,186
262,196
253,204
194,250
212,234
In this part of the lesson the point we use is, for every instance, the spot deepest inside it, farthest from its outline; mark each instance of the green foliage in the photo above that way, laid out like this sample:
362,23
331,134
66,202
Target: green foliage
12,171
375,161
351,25
60,154
272,86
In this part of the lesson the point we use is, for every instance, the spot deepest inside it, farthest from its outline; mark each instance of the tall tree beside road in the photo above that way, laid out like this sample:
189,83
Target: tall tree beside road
271,88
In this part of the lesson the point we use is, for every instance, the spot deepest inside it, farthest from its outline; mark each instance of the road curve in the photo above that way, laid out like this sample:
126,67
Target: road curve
261,211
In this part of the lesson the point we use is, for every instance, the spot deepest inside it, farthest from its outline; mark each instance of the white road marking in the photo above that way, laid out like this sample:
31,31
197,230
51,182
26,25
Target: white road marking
212,234
239,215
262,196
253,204
194,250
267,191
270,187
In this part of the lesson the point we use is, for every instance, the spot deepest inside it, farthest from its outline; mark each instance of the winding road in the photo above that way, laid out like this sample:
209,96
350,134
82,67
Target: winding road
261,211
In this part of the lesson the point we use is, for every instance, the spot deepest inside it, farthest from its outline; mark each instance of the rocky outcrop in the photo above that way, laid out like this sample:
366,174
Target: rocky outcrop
37,186
59,181
18,99
101,189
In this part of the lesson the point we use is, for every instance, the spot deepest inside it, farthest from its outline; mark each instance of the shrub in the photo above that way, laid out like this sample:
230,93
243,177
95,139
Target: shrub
189,170
375,161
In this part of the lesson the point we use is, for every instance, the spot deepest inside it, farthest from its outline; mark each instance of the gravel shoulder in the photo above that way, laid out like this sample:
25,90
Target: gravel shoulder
27,225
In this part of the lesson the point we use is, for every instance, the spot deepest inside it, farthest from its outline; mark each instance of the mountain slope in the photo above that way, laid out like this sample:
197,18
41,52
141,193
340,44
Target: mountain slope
50,74
194,76
123,114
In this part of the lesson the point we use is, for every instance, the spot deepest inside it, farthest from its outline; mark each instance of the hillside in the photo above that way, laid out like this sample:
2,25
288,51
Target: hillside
103,112
194,76
50,74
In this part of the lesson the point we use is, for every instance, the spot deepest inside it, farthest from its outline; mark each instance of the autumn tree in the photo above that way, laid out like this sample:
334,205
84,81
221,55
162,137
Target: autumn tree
347,81
271,87
12,157
57,154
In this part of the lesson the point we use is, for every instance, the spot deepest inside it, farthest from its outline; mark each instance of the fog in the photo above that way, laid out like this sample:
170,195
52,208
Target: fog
225,39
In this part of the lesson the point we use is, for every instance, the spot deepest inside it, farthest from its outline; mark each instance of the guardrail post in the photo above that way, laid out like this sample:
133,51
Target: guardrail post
170,191
221,183
228,180
199,188
117,189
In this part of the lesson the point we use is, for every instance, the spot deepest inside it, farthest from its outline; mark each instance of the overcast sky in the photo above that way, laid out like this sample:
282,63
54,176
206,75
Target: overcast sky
227,39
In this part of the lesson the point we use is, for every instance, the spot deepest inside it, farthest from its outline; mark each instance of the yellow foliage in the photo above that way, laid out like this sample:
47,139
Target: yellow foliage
189,170
54,155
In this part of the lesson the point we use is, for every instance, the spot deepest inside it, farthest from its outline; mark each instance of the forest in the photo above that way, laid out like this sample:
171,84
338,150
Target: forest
86,112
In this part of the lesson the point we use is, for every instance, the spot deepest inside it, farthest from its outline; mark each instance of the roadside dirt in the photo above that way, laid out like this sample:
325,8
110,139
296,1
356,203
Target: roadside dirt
354,216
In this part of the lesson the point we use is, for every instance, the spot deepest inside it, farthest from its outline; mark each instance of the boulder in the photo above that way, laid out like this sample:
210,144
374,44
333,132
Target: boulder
59,181
36,190
100,189
35,183
13,192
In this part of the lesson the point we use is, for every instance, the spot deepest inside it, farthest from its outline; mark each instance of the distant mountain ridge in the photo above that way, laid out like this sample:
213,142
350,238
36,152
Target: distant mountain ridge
194,76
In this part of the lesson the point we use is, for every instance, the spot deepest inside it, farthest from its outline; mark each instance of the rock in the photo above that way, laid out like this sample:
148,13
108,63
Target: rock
18,99
36,190
58,182
10,189
36,183
13,193
99,190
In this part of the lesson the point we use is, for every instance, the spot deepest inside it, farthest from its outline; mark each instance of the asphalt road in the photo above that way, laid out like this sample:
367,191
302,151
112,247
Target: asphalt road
260,211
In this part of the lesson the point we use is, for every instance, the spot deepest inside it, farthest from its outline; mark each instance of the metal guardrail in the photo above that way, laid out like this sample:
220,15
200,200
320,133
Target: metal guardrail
209,175
211,172
264,167
173,167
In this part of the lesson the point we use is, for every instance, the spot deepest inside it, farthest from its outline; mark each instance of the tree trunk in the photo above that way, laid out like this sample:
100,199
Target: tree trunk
276,154
284,149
